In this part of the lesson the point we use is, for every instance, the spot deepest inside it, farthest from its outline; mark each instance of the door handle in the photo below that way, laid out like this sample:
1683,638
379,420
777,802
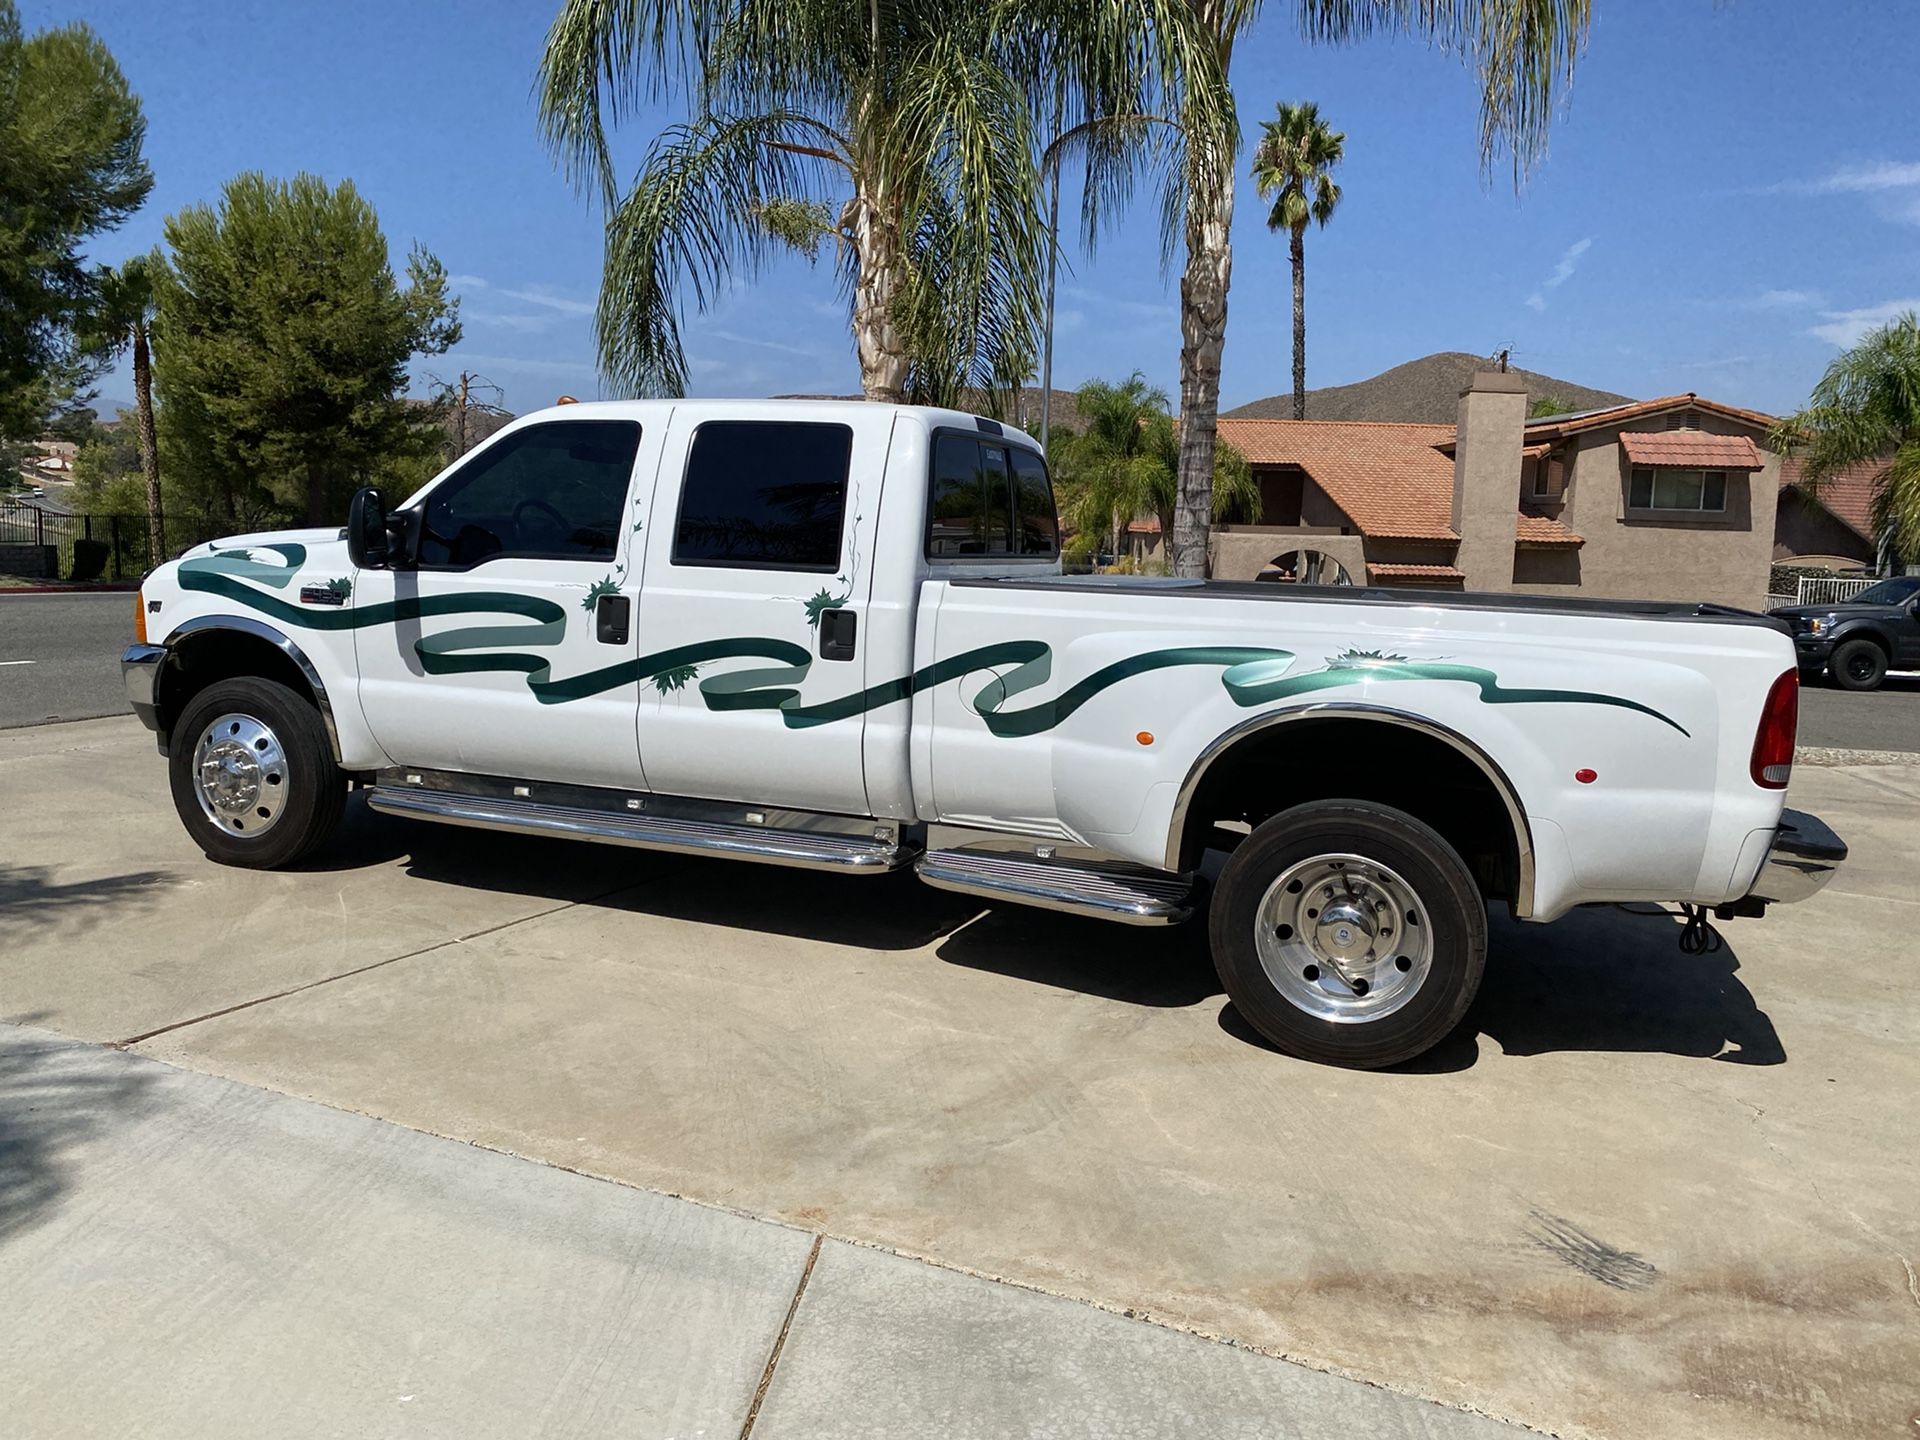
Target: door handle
838,629
611,619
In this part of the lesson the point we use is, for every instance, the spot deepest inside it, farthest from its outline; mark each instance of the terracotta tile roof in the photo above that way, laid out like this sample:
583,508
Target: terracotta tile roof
1416,572
1553,427
1389,479
1148,526
1847,496
1544,530
1694,448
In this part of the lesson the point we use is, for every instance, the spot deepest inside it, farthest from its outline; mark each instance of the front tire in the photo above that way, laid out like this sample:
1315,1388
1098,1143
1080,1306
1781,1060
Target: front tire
1859,665
252,774
1349,933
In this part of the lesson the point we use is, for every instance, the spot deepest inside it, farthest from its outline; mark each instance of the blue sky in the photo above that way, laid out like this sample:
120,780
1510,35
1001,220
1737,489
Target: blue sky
1733,193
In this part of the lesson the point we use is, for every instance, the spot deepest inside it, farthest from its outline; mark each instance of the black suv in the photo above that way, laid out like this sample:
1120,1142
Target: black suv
1860,640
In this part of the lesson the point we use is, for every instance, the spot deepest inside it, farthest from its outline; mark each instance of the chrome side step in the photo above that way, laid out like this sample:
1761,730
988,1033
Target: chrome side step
810,850
1104,890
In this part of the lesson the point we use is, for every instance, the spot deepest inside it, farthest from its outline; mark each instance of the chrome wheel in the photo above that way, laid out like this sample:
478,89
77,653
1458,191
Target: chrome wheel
240,775
1344,938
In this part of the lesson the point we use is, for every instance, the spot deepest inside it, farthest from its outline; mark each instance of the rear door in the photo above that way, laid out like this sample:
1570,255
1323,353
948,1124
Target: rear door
753,672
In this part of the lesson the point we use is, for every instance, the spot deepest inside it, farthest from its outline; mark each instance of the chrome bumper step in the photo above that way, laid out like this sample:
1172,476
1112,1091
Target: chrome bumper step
1104,890
806,849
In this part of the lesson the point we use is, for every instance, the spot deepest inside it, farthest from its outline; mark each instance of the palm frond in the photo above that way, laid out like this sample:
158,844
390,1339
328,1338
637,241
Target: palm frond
695,216
1524,52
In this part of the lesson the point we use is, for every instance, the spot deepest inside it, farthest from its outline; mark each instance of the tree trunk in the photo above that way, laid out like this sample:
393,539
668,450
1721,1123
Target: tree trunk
316,495
149,444
1299,251
1203,335
880,266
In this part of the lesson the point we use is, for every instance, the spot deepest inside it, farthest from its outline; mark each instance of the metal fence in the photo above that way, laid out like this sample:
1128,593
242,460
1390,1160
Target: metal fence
1815,590
122,539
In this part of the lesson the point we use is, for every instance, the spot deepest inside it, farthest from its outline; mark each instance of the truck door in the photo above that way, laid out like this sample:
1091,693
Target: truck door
508,648
758,578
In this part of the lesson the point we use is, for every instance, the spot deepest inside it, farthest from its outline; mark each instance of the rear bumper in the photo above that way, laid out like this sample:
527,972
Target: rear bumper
1804,856
140,672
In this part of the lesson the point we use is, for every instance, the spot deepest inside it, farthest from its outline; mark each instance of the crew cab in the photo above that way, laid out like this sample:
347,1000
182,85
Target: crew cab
837,635
1857,641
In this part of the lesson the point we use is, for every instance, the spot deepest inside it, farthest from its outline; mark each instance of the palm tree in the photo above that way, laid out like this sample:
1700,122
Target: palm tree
1867,407
1107,463
1294,164
121,321
900,134
1127,462
1524,51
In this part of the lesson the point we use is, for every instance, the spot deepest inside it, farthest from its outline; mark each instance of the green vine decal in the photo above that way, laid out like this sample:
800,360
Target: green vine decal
610,585
822,602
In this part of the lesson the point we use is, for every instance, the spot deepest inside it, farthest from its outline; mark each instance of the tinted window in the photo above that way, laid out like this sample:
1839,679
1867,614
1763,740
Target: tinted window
549,492
1033,504
988,499
767,494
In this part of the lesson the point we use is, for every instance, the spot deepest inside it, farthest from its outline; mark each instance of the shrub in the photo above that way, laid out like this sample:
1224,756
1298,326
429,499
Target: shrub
90,559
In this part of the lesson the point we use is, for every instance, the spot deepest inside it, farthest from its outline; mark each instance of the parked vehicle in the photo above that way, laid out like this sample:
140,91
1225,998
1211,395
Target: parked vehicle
1857,641
835,635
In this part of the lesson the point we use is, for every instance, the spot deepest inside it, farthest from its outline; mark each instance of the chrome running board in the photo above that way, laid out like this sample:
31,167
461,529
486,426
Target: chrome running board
1104,890
769,844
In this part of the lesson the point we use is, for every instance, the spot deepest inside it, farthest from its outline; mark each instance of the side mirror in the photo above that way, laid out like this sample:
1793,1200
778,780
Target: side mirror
367,530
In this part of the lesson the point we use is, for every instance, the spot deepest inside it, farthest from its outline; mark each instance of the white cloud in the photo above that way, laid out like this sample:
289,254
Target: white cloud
739,339
1874,176
1562,273
544,296
1778,300
1846,327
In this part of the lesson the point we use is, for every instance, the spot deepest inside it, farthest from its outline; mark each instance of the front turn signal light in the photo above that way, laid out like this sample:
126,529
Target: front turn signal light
139,618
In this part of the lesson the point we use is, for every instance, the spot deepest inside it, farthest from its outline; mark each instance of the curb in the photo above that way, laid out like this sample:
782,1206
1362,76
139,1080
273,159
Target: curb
1825,755
124,587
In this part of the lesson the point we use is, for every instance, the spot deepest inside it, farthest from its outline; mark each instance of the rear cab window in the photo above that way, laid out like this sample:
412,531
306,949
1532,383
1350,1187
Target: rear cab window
988,499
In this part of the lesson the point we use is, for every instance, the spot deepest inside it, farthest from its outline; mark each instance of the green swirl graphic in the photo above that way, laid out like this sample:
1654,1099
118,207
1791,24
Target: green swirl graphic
1251,675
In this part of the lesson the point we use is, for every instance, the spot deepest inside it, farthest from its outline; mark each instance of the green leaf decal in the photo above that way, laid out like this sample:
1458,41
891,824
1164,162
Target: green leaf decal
1356,659
823,601
676,678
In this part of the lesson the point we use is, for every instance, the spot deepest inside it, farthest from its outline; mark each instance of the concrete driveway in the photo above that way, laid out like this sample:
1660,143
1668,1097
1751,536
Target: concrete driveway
1640,1193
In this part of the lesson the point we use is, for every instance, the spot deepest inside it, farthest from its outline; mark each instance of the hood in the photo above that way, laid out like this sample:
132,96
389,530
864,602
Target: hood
1837,611
316,538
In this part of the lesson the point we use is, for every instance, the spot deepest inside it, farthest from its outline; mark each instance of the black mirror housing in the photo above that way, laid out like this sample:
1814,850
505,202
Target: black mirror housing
367,545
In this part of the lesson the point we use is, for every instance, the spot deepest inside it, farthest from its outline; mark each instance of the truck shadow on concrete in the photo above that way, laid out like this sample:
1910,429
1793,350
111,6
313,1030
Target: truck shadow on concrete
1600,979
1607,979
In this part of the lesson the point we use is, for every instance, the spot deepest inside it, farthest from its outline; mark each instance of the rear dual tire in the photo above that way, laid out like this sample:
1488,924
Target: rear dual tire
1349,933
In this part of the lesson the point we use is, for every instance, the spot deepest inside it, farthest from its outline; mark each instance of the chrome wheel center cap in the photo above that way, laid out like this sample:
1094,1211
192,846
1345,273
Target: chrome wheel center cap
231,777
1344,932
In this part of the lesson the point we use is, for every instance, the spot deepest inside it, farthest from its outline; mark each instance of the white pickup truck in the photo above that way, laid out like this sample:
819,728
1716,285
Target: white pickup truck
836,635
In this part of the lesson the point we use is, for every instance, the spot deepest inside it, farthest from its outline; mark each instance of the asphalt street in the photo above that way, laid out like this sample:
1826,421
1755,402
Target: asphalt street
60,656
74,644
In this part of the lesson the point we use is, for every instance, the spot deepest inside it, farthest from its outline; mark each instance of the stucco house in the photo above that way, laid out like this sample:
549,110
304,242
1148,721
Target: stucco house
1834,529
1669,499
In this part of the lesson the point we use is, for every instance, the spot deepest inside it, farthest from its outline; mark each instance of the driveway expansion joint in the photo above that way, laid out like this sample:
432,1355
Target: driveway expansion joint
438,945
780,1340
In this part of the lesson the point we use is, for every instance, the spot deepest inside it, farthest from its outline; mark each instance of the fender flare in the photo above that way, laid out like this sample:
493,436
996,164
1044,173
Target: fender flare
1222,743
260,630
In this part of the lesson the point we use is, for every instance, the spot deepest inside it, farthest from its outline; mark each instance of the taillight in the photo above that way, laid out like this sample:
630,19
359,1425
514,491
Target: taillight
139,618
1773,744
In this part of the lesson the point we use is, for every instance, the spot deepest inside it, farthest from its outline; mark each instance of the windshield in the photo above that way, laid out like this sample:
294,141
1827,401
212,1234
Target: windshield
1896,591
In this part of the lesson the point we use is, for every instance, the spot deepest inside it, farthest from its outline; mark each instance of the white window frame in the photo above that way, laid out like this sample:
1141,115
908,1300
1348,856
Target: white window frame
1654,472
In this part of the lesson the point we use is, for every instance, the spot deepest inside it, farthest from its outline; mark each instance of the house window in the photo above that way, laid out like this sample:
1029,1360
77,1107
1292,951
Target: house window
1549,478
1657,488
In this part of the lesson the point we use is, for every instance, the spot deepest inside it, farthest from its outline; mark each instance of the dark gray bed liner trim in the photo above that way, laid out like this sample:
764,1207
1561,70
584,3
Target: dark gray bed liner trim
1700,611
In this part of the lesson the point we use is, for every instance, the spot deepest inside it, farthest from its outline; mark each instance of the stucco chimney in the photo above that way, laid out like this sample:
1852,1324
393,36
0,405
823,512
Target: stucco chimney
1486,477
